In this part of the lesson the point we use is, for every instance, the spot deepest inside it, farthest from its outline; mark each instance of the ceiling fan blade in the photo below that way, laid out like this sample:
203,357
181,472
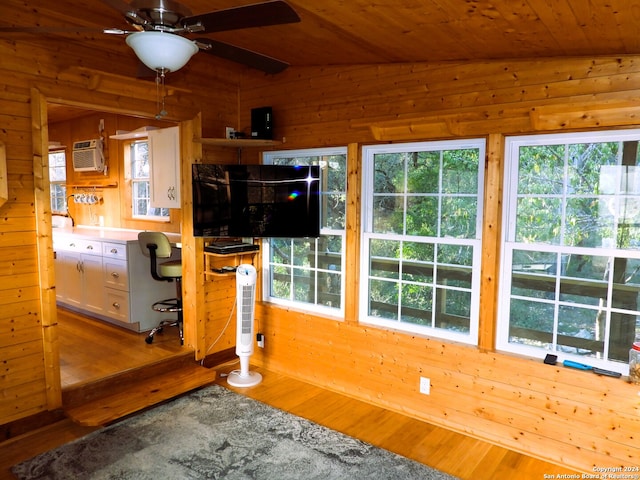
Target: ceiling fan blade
241,55
276,12
120,5
60,30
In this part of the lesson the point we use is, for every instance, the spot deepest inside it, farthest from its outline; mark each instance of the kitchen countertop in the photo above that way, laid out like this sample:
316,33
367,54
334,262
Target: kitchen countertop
118,235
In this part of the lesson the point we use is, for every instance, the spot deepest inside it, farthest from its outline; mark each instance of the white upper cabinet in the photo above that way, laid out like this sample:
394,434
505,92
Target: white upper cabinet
164,154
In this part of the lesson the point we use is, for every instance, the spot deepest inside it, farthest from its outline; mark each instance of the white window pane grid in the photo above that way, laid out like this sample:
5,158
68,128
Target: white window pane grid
421,238
308,273
407,284
58,198
58,179
141,184
571,261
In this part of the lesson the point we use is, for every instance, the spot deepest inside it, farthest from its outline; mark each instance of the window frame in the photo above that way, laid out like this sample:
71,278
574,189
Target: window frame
58,183
131,181
267,266
509,244
367,234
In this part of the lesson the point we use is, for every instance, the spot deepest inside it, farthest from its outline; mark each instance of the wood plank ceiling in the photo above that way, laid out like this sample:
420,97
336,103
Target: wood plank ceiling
365,31
337,32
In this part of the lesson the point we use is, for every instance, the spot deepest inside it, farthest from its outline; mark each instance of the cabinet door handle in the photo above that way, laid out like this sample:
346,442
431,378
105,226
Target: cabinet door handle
115,274
116,305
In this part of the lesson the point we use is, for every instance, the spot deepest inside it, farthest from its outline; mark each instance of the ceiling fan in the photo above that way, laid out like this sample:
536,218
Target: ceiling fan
161,28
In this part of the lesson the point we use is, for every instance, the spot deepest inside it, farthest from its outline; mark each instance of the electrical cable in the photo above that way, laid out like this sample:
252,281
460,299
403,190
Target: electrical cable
73,222
230,362
224,329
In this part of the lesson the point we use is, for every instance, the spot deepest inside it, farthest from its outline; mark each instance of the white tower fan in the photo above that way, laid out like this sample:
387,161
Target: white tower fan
245,299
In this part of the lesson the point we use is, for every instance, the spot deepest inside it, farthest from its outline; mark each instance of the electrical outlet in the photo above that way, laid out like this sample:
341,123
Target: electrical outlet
260,340
228,132
425,385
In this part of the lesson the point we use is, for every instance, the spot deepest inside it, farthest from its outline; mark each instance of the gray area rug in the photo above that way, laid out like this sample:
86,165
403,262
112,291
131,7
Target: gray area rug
214,433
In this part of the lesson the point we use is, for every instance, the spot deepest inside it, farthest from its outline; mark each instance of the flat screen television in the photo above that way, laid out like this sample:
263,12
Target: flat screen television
256,201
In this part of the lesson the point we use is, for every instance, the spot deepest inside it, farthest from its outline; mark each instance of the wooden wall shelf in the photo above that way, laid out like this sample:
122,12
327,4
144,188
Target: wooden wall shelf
92,185
237,142
236,257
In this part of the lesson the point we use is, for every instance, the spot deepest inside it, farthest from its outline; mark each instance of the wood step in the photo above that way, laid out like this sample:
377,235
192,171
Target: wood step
146,393
81,393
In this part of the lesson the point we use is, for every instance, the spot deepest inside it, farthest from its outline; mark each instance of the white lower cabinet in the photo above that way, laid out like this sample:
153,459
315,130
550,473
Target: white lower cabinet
109,280
92,275
68,278
79,265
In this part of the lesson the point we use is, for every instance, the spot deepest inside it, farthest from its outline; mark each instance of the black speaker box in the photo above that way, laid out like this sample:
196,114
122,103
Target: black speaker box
262,123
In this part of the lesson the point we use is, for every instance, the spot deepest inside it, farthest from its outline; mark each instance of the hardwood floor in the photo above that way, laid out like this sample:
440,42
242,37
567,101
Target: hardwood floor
91,350
457,454
451,452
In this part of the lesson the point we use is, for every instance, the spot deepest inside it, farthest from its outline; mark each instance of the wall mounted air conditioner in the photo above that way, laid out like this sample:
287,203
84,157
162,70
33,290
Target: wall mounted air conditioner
88,156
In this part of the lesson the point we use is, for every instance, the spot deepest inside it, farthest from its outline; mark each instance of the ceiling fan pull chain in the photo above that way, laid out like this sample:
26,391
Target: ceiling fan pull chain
160,92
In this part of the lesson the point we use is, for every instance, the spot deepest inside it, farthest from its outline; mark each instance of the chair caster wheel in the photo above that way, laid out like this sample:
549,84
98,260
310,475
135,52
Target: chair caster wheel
149,340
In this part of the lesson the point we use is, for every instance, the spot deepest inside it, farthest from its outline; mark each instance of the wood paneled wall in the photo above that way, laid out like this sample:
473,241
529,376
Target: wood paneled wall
574,418
569,417
32,75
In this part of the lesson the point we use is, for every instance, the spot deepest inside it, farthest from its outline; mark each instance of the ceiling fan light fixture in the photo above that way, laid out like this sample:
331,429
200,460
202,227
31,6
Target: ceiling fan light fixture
160,51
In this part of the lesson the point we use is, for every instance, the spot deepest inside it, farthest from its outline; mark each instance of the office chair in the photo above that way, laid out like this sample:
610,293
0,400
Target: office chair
155,245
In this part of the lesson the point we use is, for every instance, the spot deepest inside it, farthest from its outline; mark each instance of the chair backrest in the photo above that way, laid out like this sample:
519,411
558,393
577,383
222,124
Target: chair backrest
159,239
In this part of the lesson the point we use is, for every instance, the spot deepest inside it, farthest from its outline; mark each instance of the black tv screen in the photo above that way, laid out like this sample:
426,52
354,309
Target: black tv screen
256,200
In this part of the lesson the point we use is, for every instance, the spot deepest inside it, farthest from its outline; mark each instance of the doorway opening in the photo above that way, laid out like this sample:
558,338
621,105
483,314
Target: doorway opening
89,348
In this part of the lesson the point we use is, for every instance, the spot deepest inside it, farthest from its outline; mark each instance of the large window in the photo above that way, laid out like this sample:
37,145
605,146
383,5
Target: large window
422,205
571,258
138,171
308,272
58,180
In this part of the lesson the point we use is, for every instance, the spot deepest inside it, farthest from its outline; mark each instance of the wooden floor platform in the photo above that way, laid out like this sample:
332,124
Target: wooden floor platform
109,373
138,395
91,350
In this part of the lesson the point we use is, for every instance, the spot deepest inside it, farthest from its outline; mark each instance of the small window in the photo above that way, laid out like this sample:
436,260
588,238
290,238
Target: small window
138,172
58,180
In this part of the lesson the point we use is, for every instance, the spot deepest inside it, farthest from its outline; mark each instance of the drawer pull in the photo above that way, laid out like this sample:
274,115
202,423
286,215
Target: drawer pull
114,250
89,247
72,245
116,305
115,274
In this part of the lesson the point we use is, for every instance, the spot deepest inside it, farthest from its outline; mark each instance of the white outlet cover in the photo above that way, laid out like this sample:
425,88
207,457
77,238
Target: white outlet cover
425,385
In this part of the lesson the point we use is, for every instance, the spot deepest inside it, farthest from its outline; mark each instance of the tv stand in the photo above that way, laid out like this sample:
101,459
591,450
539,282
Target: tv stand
214,266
